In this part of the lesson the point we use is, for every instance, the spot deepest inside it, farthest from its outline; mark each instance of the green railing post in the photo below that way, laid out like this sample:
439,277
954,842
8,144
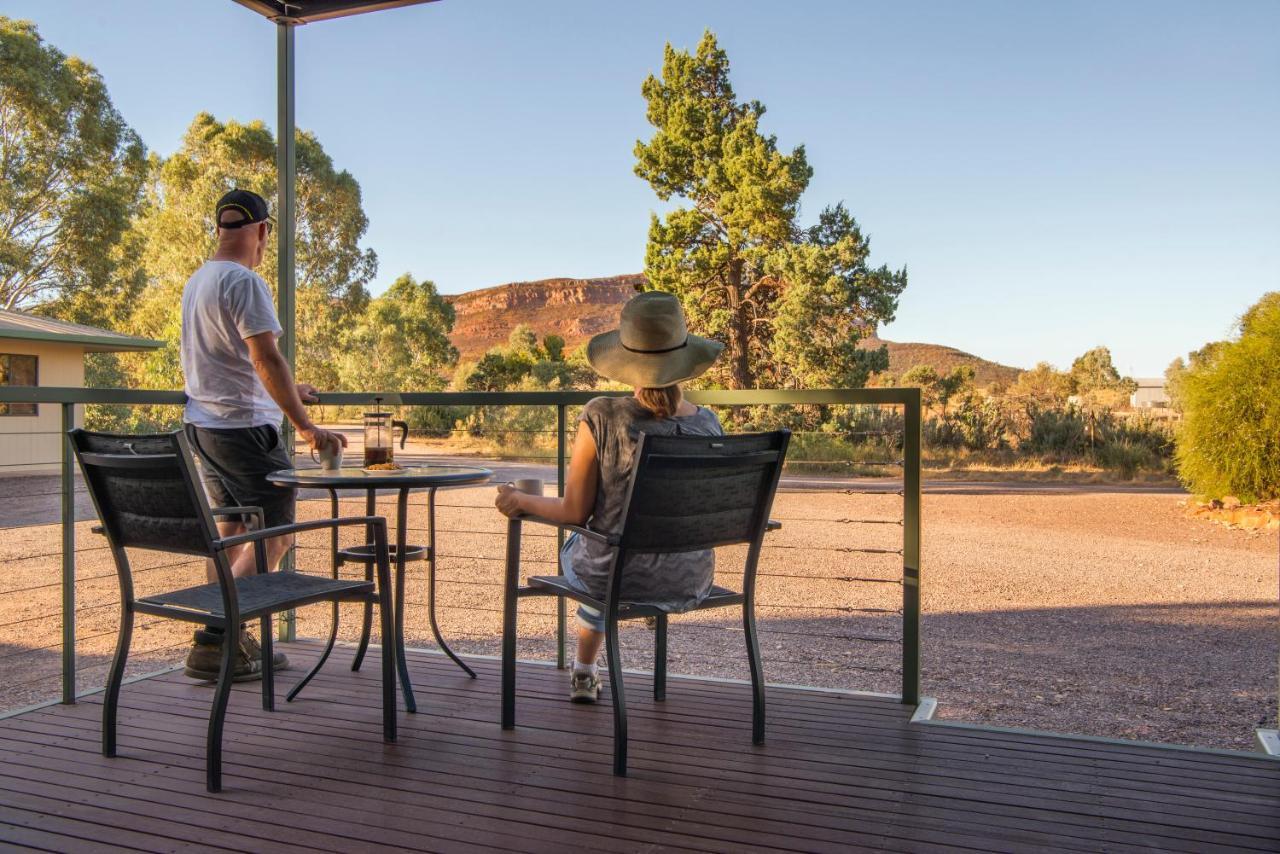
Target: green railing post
68,558
561,614
911,548
286,210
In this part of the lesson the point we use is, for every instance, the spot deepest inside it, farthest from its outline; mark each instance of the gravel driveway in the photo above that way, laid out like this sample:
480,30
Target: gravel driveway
1085,610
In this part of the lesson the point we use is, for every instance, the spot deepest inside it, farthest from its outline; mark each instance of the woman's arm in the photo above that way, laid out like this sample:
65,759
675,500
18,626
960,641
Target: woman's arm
580,485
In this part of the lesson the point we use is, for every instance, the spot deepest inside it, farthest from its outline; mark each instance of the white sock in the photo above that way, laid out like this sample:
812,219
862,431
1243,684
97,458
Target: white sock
579,667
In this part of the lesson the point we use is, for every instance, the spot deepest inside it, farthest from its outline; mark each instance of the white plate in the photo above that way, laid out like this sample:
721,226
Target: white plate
384,472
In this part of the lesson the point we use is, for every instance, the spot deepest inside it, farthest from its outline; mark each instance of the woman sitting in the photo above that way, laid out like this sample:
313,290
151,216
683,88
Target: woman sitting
653,352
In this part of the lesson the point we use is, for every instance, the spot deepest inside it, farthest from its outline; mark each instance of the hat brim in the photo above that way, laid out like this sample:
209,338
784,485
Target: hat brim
611,360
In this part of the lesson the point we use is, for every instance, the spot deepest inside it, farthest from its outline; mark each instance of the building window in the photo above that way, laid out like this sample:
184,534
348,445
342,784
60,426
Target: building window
18,370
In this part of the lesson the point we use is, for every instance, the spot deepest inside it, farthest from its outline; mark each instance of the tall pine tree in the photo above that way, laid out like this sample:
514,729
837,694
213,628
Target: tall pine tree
789,303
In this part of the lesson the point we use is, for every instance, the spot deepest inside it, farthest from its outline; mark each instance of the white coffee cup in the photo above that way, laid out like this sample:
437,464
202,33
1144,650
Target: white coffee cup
530,485
329,456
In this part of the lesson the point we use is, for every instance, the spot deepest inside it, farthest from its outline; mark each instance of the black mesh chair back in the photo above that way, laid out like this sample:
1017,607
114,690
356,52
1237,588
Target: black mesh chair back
698,492
149,496
687,493
146,491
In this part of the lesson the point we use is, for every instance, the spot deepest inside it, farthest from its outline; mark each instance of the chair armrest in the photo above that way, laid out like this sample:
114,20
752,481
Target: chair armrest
773,525
241,511
214,511
296,528
577,529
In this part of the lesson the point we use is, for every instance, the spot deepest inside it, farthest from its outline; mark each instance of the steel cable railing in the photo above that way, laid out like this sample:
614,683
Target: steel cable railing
488,578
807,587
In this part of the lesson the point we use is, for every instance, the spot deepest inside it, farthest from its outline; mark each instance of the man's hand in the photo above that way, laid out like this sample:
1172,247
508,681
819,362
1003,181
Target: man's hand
319,438
508,500
307,393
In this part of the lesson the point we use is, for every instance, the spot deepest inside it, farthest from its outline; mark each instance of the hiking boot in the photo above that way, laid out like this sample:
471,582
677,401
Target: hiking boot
205,659
584,688
251,647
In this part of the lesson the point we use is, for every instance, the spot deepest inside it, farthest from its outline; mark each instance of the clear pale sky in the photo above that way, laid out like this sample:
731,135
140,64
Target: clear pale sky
1054,175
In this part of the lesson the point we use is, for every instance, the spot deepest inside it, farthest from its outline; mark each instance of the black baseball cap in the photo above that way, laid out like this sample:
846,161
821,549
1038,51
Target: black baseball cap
253,206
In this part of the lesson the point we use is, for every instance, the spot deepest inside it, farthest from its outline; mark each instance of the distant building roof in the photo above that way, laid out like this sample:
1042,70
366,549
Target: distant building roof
1149,382
31,327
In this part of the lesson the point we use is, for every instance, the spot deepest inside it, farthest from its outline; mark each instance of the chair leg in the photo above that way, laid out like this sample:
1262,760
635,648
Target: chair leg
757,674
660,658
324,656
614,658
268,666
387,634
221,694
510,600
115,678
370,509
509,604
365,630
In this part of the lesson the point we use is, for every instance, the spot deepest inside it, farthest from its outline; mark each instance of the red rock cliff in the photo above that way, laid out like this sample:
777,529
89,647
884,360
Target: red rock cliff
574,309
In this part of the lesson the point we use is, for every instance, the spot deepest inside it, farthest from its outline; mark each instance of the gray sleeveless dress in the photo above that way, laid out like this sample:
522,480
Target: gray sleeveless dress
672,582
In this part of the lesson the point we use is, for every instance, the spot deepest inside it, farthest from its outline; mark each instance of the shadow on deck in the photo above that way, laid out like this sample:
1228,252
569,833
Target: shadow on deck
838,773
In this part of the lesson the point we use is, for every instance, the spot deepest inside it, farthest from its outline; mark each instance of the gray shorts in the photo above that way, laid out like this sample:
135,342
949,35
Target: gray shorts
588,617
235,463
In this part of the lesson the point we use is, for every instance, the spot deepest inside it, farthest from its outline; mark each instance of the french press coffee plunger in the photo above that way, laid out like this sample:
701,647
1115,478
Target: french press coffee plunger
379,436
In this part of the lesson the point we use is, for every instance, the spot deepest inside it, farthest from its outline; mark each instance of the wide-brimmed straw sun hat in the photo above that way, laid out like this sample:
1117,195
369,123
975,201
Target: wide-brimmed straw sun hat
652,347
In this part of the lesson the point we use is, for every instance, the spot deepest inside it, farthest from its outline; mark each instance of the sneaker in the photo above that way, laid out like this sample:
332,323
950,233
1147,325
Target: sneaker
251,647
584,688
205,659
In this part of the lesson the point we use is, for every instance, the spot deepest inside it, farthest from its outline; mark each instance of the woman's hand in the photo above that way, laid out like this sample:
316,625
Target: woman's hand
508,500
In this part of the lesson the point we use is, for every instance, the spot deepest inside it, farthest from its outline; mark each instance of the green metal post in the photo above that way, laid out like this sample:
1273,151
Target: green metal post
561,634
286,215
911,550
286,185
68,559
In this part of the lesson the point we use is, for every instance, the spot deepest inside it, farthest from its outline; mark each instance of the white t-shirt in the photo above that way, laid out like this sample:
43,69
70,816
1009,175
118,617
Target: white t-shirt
223,304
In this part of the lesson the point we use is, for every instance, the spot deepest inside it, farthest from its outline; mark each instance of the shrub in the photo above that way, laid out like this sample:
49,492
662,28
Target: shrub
1126,458
981,424
782,417
942,433
1155,436
1060,434
873,426
435,421
1229,441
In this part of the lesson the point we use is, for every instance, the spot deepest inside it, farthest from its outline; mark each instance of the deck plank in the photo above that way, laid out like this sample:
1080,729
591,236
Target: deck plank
838,772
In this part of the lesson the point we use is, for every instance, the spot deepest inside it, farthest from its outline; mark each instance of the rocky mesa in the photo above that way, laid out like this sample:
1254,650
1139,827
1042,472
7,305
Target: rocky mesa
576,309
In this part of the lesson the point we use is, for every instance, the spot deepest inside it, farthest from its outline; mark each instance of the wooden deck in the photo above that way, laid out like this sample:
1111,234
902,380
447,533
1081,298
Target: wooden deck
838,773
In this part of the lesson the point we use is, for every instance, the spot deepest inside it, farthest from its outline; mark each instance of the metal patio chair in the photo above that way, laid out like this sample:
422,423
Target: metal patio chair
148,496
687,493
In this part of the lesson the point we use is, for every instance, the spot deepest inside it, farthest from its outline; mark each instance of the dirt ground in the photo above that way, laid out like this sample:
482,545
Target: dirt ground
1084,610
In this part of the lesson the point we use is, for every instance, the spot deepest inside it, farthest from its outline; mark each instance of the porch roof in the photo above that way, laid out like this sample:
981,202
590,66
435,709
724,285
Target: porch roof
306,11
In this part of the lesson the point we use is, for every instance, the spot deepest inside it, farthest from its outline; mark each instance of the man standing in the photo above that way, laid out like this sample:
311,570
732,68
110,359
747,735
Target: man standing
239,389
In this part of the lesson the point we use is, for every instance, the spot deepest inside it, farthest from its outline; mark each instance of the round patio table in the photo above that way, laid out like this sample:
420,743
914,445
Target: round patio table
429,477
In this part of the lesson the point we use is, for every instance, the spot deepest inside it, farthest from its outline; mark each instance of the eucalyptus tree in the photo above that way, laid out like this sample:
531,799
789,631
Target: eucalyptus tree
401,342
177,229
71,171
